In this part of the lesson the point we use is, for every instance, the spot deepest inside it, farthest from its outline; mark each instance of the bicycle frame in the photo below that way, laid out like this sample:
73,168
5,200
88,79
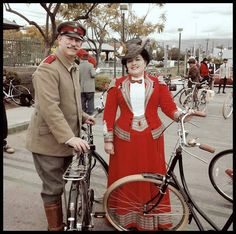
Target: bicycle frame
182,185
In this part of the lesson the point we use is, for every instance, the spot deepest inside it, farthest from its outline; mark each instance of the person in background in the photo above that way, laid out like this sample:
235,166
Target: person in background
6,147
194,75
87,75
224,74
212,69
204,71
54,130
134,138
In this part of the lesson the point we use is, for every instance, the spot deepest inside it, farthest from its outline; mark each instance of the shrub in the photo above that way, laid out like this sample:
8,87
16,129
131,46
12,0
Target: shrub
101,82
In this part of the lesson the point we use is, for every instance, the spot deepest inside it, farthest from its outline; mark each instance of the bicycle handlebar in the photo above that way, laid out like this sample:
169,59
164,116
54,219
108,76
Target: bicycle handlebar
192,142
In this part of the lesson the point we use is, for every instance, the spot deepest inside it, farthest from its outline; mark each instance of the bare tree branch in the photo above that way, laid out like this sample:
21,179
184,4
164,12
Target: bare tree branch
9,9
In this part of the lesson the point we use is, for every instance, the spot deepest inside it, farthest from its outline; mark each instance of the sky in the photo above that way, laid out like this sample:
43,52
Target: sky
198,20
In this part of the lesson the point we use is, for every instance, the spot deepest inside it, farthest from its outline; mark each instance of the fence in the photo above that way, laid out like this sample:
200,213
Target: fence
22,52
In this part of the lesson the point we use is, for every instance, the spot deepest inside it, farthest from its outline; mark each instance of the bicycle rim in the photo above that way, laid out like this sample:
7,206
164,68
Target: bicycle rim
227,109
221,181
202,105
183,95
16,92
125,201
188,102
98,177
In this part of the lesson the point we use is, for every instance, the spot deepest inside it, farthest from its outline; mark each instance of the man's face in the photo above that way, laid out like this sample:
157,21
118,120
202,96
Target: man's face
69,45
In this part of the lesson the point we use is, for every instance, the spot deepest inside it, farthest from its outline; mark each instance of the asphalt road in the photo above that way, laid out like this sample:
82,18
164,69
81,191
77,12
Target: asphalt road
22,205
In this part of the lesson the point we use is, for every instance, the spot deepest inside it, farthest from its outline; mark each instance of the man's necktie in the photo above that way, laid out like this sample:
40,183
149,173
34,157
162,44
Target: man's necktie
136,81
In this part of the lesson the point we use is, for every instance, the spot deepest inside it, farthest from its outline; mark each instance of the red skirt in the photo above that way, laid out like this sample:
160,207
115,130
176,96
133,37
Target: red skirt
142,154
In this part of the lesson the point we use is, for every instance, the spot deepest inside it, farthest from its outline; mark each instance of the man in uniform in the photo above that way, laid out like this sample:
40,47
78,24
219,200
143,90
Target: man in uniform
54,130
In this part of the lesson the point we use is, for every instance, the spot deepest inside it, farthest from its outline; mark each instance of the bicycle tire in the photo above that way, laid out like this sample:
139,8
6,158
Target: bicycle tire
187,102
183,95
76,209
220,180
98,176
16,92
227,108
202,102
123,188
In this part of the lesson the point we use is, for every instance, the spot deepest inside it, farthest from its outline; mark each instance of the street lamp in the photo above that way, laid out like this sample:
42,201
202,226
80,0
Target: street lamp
179,30
123,8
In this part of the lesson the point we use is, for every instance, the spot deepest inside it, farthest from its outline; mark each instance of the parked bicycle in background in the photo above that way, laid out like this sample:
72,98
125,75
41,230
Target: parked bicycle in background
227,109
19,94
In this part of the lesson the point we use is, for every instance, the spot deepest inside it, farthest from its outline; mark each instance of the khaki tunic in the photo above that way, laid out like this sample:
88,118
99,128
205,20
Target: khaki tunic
58,114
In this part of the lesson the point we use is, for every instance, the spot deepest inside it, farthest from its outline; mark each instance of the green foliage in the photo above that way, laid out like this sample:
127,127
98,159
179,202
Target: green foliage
102,82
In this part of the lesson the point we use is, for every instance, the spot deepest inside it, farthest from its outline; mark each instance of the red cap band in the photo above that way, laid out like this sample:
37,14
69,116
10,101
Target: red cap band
72,29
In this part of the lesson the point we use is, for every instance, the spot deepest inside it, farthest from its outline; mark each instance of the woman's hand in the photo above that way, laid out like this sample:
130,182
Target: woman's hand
109,147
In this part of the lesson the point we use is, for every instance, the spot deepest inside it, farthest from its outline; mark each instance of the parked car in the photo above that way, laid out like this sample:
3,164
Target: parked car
217,78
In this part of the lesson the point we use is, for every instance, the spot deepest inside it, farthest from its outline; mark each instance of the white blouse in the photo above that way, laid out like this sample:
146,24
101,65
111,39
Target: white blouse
137,96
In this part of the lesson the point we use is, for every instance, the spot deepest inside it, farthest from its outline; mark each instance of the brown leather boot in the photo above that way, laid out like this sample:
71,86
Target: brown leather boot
53,211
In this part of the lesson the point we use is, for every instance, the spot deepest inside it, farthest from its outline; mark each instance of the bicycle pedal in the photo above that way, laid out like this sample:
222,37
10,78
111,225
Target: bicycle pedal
99,214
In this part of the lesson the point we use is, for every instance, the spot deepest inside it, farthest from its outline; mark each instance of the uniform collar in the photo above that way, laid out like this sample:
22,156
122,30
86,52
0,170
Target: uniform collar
67,64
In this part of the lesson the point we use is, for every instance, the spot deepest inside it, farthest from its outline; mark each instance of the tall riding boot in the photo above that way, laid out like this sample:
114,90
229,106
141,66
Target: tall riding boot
53,211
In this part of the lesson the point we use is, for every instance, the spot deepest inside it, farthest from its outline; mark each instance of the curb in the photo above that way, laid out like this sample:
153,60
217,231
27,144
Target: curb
18,127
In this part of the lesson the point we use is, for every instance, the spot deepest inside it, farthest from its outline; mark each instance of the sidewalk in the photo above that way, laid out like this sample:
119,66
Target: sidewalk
19,117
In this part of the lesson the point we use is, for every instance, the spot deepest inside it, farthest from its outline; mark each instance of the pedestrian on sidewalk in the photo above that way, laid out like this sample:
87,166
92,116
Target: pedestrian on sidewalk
87,75
6,147
224,74
54,130
134,140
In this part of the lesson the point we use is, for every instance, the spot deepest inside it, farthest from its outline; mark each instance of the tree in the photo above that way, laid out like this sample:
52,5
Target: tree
49,31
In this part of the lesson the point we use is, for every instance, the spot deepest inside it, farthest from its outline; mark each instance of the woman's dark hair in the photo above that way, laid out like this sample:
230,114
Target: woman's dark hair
144,54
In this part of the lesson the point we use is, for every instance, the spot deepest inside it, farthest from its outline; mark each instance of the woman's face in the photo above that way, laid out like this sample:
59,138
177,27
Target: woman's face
136,66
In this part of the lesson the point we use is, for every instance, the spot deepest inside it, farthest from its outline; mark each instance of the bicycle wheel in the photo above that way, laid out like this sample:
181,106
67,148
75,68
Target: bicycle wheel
98,176
76,209
126,200
188,102
221,173
183,95
16,92
202,103
227,108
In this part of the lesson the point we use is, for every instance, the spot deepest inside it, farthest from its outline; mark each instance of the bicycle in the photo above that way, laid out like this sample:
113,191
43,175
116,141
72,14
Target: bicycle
183,91
197,98
227,109
14,92
152,211
87,175
221,173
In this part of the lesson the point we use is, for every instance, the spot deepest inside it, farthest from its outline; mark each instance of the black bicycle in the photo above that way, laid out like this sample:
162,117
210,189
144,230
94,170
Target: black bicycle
87,175
221,173
183,83
167,203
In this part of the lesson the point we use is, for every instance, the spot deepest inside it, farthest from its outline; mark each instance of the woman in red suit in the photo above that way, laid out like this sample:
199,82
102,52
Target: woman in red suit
134,138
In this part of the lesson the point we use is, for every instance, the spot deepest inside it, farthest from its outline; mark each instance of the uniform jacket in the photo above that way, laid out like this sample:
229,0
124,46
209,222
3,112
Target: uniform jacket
224,71
58,115
156,94
87,76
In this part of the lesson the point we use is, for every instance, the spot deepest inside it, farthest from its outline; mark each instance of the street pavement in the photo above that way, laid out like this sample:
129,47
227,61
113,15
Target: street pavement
23,209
